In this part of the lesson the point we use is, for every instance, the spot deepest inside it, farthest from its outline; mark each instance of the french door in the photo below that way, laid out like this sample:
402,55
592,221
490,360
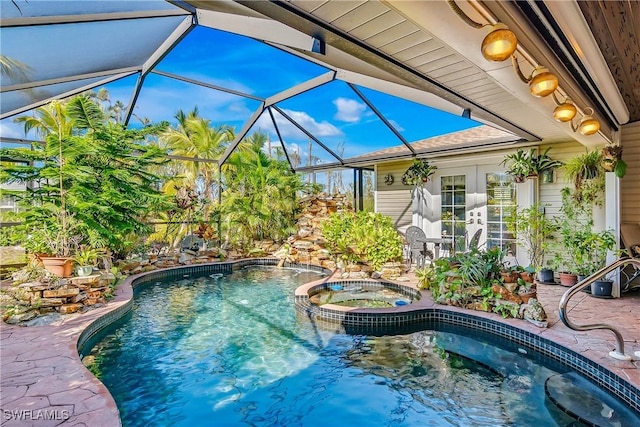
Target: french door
473,199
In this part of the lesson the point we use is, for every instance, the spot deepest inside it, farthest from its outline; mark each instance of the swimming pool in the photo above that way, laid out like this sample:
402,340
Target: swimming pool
231,350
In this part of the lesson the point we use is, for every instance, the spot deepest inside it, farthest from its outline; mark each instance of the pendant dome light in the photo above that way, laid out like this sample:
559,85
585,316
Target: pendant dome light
499,44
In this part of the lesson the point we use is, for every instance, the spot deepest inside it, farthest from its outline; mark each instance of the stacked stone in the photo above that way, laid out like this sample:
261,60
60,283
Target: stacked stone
66,295
307,246
154,262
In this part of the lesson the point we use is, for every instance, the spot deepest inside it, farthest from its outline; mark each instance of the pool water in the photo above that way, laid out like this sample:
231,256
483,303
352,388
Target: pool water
231,350
360,296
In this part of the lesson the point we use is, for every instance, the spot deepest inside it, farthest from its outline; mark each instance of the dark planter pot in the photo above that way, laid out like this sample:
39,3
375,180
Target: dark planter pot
568,279
588,288
602,288
546,275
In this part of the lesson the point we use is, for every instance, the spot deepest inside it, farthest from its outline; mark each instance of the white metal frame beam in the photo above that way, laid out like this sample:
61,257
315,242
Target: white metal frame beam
67,79
258,28
64,95
89,17
301,88
248,124
174,38
205,84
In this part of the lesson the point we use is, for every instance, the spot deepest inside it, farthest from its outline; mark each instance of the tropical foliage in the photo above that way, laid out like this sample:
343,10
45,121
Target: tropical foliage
89,182
362,237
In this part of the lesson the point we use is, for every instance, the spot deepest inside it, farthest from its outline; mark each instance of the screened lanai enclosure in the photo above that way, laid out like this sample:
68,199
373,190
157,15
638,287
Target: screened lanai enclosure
334,88
240,70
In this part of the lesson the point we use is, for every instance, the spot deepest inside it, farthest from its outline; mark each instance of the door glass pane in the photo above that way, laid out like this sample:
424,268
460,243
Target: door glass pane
501,201
453,211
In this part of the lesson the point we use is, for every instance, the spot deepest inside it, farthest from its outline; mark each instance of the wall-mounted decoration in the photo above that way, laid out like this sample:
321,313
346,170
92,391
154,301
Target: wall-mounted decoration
388,179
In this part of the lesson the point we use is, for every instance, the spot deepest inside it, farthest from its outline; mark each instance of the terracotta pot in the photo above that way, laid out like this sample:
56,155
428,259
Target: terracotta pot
568,279
509,276
526,296
526,276
59,266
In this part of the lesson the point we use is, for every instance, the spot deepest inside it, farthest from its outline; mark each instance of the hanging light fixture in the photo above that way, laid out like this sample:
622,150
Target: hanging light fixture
541,82
499,44
588,125
564,111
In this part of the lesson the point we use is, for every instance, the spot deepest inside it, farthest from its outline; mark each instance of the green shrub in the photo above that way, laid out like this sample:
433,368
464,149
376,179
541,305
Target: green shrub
363,237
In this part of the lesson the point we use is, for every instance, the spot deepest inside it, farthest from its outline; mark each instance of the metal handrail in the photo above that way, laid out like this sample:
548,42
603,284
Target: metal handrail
619,352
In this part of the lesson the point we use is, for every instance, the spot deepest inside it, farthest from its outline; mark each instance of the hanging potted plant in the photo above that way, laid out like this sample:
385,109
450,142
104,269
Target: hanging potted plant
587,175
612,160
541,163
518,164
418,173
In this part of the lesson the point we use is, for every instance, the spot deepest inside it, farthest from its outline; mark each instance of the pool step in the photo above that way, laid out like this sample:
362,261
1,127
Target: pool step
585,402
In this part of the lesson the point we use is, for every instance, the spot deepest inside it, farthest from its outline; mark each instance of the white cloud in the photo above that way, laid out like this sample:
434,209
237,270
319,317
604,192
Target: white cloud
349,110
286,128
396,125
12,130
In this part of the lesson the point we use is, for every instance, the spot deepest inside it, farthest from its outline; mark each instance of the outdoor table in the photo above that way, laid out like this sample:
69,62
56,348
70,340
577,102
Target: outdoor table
437,241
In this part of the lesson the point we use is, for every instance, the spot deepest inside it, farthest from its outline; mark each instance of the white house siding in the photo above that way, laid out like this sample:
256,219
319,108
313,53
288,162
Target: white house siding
630,184
549,194
394,200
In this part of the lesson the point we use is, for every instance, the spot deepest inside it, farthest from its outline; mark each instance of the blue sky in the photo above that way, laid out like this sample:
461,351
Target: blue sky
333,113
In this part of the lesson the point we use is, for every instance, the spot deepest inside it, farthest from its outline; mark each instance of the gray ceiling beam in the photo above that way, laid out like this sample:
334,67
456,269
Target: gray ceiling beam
187,24
64,95
174,38
207,85
88,17
284,148
382,117
191,159
248,124
306,132
258,28
31,85
301,88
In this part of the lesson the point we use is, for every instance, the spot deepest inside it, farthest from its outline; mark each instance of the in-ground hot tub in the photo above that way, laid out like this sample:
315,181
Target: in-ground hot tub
371,303
363,295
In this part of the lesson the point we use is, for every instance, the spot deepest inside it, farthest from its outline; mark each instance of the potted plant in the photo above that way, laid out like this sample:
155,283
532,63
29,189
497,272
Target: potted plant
418,173
518,164
542,162
533,230
587,175
86,259
612,160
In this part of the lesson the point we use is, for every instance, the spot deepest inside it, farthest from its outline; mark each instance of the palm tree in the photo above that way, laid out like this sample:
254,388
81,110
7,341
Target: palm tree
194,137
260,197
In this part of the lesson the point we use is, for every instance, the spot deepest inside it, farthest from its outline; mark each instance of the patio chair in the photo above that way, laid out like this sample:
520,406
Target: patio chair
630,233
417,246
191,242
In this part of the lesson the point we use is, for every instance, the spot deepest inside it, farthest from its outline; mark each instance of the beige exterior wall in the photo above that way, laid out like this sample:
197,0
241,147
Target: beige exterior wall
394,200
549,194
630,184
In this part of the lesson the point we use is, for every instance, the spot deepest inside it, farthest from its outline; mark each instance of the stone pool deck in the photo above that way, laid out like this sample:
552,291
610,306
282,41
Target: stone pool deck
44,383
